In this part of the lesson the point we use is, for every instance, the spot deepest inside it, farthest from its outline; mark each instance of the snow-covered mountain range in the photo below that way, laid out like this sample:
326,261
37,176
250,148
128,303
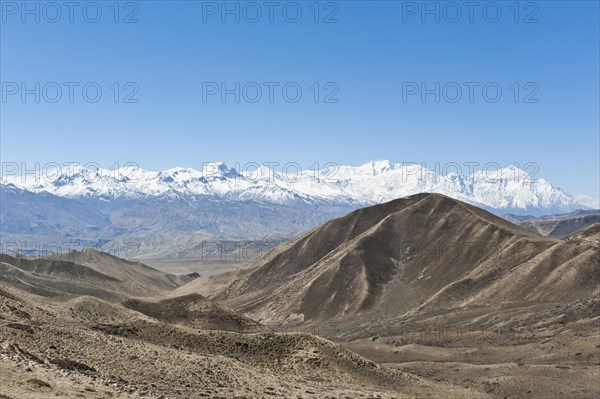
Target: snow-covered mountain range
509,189
174,211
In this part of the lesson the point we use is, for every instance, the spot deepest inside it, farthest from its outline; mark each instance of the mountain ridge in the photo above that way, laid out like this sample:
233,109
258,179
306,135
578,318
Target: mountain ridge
368,184
426,251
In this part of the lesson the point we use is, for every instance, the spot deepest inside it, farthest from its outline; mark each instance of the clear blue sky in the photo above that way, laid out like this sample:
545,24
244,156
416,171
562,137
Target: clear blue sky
369,54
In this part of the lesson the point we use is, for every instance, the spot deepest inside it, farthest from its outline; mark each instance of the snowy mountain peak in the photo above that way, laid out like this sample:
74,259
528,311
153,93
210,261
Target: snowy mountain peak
507,189
217,170
377,167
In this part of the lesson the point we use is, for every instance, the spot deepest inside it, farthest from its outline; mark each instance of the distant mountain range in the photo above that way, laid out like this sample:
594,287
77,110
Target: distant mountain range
172,211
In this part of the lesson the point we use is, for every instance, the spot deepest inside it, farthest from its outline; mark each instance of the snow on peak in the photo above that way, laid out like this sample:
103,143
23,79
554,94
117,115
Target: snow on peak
589,202
373,182
376,167
217,170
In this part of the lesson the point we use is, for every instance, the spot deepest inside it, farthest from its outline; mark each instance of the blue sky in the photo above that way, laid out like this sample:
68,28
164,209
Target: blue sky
367,62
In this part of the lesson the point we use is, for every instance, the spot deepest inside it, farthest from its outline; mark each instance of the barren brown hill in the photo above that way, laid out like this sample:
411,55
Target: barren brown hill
86,273
423,251
143,275
54,287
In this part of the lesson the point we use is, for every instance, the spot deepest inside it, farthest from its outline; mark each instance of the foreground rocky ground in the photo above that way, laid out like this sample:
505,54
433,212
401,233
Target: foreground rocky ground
86,347
535,351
